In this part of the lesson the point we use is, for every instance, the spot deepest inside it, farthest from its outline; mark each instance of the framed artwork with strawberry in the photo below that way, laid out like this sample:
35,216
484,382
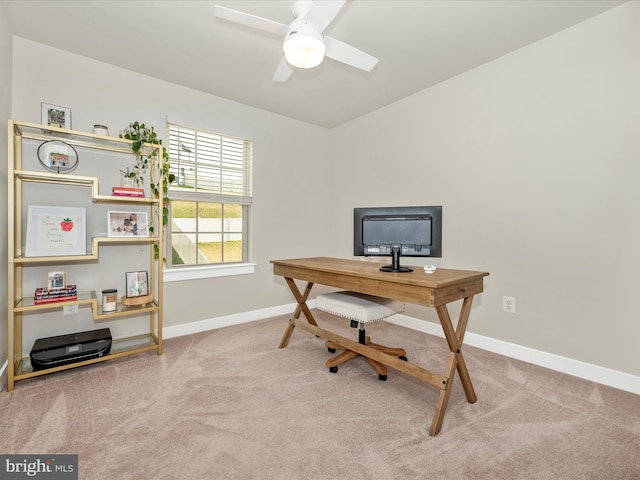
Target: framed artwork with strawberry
55,231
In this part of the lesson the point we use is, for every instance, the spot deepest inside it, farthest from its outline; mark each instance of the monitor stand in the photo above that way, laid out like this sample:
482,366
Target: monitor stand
395,262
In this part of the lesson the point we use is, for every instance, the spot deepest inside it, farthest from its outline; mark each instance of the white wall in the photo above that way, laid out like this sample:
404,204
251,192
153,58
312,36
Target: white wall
290,168
535,158
5,113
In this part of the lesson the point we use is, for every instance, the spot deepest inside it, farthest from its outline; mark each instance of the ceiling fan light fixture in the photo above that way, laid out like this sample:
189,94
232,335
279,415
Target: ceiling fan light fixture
304,47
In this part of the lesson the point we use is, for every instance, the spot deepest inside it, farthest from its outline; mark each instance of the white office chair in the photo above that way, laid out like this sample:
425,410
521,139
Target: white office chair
360,309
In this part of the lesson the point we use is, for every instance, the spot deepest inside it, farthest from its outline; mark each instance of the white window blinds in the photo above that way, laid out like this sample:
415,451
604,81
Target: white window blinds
209,163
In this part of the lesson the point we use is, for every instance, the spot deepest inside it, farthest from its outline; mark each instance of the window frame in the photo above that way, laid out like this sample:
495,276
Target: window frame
210,270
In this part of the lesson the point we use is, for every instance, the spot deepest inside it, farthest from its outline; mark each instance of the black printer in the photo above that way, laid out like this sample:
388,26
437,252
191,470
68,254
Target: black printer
70,348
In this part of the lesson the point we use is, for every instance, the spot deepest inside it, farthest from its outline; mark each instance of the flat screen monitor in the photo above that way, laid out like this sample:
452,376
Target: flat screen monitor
397,231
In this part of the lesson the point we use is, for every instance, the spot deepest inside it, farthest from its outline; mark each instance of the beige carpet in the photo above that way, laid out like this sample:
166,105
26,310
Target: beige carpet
228,404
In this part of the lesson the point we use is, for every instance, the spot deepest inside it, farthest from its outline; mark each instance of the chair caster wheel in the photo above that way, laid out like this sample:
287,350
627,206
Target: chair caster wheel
382,378
331,350
333,369
403,358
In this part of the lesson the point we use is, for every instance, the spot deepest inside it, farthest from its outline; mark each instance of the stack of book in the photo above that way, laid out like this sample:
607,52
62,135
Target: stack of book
127,191
44,295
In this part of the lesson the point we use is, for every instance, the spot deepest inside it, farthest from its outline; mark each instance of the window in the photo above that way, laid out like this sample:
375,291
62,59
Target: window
209,199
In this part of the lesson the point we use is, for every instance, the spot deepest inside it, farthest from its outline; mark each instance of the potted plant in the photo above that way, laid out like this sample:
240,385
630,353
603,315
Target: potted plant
130,178
140,135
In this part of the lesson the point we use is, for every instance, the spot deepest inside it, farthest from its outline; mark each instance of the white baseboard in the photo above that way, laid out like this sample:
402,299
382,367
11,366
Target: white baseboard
3,375
577,368
587,371
226,321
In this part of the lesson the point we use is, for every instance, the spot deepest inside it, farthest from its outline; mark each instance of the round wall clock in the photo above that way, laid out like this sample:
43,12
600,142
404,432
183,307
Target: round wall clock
57,156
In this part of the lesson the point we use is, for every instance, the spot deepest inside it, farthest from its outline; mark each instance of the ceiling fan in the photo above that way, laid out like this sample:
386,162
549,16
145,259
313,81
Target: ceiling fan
304,45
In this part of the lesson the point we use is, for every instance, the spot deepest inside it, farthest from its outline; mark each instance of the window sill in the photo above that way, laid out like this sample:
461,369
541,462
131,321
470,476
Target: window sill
195,273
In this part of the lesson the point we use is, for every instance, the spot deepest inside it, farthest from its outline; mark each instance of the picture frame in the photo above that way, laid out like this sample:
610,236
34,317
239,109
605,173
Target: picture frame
137,284
127,224
55,231
56,116
56,280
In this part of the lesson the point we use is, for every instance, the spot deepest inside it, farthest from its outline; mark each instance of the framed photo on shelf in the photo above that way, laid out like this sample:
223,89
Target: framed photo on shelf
55,231
128,224
56,116
137,284
55,280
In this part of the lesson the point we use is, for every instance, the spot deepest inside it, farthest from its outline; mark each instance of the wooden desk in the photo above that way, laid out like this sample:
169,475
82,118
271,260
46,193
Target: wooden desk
436,290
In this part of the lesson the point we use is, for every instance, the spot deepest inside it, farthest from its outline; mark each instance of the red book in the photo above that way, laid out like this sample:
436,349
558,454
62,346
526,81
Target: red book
45,296
130,189
66,288
64,292
127,194
54,299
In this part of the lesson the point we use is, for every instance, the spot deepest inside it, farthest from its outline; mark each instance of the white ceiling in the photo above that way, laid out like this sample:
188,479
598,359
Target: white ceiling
419,43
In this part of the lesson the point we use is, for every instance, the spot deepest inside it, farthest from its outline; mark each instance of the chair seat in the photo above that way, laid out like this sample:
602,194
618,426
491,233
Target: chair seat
362,309
358,306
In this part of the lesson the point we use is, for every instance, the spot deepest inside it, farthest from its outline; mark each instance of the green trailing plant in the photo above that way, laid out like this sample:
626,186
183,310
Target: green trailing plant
140,135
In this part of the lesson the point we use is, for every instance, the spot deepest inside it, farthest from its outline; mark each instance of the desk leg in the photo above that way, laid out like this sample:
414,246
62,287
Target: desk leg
455,362
301,308
462,366
443,398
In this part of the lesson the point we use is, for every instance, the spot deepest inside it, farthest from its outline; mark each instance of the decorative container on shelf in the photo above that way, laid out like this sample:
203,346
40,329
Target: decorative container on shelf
100,130
127,182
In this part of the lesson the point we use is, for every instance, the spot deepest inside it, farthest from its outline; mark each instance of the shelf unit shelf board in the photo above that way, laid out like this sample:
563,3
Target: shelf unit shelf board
76,138
120,348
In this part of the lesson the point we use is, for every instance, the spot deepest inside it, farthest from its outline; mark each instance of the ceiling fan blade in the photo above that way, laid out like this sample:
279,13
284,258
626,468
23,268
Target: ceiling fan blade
322,12
344,53
283,72
249,20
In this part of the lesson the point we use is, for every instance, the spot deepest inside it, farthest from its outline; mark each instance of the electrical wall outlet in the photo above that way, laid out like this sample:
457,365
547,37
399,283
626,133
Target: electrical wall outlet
509,304
70,309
